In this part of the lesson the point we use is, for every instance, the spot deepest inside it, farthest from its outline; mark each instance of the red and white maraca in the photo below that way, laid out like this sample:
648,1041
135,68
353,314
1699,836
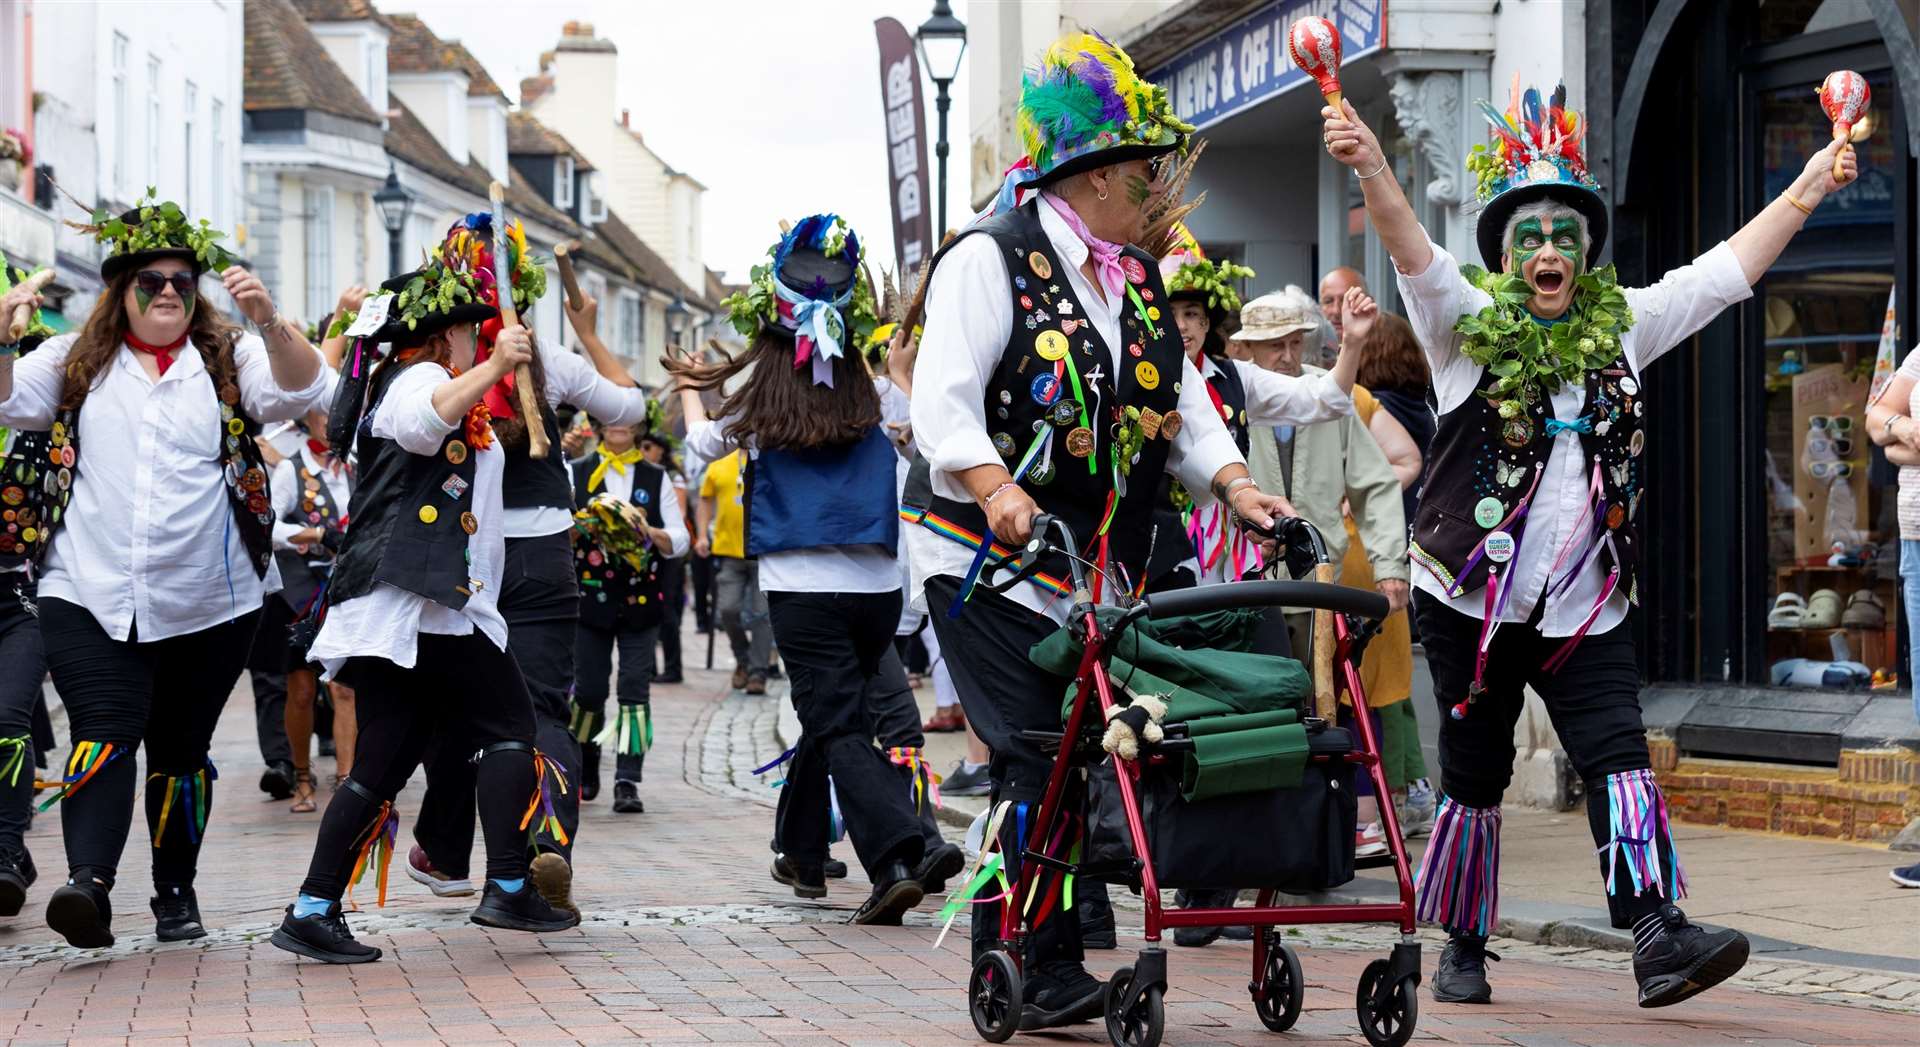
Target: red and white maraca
1315,46
1844,95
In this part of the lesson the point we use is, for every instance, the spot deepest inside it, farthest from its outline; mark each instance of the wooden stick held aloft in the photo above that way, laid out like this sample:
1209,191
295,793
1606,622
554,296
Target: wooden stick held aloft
23,315
563,257
537,444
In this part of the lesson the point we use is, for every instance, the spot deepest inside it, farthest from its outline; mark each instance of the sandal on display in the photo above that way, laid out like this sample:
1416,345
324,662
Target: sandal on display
1788,610
1864,611
1823,610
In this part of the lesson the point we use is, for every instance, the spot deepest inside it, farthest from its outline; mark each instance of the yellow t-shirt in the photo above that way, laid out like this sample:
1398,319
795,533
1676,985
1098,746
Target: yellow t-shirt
725,484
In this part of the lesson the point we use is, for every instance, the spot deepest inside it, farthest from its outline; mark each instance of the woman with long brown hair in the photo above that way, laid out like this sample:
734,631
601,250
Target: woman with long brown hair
161,550
822,516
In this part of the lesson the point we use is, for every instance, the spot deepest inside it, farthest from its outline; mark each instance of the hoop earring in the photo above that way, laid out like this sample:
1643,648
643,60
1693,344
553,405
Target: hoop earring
1102,195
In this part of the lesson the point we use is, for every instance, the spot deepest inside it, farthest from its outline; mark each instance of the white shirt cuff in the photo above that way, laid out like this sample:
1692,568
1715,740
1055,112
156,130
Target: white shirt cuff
1205,459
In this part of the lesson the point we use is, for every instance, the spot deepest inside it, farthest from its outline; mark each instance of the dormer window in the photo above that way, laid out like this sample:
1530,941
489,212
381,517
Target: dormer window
563,182
594,208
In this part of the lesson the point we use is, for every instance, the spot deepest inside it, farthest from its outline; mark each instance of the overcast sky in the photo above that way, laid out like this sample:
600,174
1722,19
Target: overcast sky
773,104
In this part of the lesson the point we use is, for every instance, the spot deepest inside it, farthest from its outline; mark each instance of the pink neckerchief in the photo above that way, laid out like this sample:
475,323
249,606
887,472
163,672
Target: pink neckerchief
1105,256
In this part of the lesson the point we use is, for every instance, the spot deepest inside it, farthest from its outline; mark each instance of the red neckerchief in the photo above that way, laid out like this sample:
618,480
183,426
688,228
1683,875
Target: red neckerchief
162,354
500,396
1200,364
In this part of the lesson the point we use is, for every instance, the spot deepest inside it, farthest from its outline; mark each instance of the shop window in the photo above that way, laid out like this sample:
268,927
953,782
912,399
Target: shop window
1833,535
1778,20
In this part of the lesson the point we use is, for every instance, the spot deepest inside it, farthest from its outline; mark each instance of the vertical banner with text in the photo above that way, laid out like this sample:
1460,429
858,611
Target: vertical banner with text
906,149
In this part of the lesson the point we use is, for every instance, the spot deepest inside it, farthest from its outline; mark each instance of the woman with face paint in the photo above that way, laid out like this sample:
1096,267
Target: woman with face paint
1524,544
162,548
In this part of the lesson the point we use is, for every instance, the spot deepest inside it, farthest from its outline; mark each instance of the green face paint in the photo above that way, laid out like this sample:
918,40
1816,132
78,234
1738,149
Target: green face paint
1566,241
142,299
1528,239
1138,190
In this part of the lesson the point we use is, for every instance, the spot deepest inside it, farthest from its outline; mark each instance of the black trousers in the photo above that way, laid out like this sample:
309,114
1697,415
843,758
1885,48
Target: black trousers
23,665
593,656
833,644
1593,701
270,715
700,570
1003,694
541,602
673,588
463,680
165,696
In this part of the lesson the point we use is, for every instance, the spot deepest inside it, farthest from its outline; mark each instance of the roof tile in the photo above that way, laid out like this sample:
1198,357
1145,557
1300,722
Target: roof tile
287,68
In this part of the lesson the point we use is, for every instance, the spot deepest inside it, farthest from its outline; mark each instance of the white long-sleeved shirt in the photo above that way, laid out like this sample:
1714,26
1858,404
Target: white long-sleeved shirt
387,622
823,568
969,317
337,481
672,519
149,535
1664,315
571,379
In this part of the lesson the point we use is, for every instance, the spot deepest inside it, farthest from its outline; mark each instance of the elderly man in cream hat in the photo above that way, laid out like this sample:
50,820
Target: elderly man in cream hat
1279,331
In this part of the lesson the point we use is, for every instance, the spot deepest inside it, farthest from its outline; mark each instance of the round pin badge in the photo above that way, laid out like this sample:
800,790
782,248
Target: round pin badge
1170,425
59,432
1153,312
1025,302
1042,473
1080,442
1616,516
1146,295
469,523
428,514
1004,444
1040,266
1136,349
1488,512
1135,272
1638,443
236,426
1045,388
1147,375
12,495
68,456
1629,386
30,535
456,452
1500,547
1063,413
1517,432
1051,345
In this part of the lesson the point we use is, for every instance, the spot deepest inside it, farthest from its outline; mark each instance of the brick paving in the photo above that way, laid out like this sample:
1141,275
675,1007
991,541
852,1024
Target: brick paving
687,940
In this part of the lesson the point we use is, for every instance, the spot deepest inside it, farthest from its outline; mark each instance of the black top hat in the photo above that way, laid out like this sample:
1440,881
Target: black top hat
115,264
396,326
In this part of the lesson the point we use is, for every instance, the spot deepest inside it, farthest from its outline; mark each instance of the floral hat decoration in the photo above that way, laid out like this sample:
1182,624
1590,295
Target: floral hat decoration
456,283
814,288
1535,155
1190,275
1084,107
153,229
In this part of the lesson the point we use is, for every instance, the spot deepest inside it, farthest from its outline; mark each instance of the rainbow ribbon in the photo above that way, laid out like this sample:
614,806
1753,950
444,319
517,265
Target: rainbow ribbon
926,784
193,792
541,803
1459,878
630,732
989,865
85,762
376,848
1637,820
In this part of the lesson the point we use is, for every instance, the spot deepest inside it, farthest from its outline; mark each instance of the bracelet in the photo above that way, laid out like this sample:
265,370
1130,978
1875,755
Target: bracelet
996,492
1232,486
9,350
1383,166
1787,195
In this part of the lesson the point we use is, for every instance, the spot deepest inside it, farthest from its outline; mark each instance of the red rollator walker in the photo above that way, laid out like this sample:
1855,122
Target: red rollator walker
1344,618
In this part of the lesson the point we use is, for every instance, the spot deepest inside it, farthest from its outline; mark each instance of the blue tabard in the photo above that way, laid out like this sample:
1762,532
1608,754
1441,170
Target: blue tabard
823,496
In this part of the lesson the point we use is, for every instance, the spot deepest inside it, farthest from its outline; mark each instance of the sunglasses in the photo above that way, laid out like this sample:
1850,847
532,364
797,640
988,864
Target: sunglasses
152,281
1842,446
1830,470
1837,423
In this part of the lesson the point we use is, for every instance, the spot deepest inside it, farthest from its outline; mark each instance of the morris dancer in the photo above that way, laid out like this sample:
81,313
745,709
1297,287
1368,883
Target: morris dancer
1524,540
411,621
161,553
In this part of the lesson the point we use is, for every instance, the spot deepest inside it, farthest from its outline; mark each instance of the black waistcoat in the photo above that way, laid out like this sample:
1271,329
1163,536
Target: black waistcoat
1171,546
532,483
1482,464
301,575
1024,398
411,513
32,497
612,593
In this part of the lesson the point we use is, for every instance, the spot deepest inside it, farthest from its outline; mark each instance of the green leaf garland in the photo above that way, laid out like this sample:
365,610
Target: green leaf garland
1522,354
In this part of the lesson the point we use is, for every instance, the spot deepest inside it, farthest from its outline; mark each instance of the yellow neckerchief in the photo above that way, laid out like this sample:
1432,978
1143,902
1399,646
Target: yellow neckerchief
618,462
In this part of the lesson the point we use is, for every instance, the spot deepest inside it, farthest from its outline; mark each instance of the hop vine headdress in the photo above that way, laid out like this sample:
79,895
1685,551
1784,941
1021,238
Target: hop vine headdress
1189,273
154,228
814,287
1535,155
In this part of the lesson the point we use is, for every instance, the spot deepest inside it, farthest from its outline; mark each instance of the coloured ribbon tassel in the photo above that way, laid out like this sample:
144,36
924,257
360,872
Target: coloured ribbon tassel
191,794
1459,879
584,725
926,784
1017,178
836,825
1637,820
989,865
11,771
82,765
541,803
630,732
376,849
817,328
775,762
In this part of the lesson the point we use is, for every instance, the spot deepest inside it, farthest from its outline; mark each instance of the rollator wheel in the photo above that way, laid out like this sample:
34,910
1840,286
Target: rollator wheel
993,997
1389,1023
1141,1025
1282,987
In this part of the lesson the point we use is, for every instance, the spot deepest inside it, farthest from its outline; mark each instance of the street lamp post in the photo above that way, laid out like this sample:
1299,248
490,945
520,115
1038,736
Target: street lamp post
395,205
677,315
942,39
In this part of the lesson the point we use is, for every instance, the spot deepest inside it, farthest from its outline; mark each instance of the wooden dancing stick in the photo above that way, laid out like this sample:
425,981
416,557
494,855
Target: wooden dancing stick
537,444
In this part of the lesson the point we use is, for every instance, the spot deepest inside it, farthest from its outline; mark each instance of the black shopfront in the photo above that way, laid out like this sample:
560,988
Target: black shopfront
1760,479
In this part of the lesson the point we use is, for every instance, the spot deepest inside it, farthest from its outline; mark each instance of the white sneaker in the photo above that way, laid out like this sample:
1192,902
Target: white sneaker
1416,814
442,885
1370,841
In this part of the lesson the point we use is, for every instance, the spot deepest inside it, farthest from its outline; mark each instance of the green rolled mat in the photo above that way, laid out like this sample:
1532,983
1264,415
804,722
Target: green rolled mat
1253,759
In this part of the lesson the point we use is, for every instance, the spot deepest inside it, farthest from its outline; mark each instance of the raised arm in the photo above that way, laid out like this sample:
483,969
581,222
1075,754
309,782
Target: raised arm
584,320
295,362
1350,141
1759,243
333,348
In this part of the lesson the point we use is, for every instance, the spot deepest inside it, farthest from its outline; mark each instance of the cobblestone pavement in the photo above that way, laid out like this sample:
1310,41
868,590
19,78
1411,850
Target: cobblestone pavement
688,940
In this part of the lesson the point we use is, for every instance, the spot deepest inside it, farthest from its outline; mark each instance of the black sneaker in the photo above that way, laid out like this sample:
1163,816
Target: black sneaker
1675,960
806,881
1060,992
1199,937
552,876
940,864
16,875
322,936
1461,974
1095,913
894,892
82,913
962,782
522,910
1907,877
176,915
589,772
833,869
626,799
277,780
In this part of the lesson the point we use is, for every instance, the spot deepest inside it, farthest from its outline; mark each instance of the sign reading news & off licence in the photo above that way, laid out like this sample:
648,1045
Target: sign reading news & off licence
1247,63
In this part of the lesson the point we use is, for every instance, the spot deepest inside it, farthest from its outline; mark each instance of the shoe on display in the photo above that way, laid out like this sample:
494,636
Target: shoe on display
1823,610
1675,959
962,781
277,780
1059,993
552,876
16,875
1461,974
626,799
1369,841
521,910
806,881
894,892
1789,610
945,720
82,914
1907,877
1864,611
940,864
443,886
322,936
176,915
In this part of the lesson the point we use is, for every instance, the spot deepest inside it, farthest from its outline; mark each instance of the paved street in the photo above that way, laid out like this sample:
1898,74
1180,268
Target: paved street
687,940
